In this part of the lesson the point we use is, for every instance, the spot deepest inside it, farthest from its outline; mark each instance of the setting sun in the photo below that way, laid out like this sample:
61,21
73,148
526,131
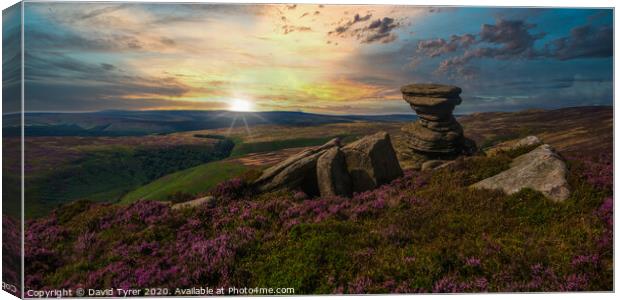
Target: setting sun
240,105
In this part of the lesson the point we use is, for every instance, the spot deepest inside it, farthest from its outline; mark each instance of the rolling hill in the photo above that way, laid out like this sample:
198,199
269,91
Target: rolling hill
137,123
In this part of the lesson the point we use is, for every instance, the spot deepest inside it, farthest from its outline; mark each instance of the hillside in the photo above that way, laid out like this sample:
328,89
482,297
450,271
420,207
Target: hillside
138,123
424,232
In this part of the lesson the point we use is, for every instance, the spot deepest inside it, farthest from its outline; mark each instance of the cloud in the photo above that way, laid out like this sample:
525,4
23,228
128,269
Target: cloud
583,42
286,29
438,47
99,81
379,30
515,39
345,27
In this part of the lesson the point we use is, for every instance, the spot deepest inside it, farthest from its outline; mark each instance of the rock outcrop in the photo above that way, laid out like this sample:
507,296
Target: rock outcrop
541,169
334,170
371,162
437,134
332,175
296,172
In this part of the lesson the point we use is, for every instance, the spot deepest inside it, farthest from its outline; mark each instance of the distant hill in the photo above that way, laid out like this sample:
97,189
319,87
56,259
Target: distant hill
136,123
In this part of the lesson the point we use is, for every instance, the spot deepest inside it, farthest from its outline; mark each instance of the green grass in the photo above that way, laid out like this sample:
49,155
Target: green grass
194,180
107,175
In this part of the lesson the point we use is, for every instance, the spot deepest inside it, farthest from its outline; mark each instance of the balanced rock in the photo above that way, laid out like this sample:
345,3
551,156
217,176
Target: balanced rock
541,169
371,162
437,134
332,175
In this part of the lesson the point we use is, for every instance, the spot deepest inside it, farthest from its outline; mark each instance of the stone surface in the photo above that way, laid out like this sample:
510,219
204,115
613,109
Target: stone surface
209,200
431,90
332,175
436,135
371,161
432,164
334,170
296,172
528,141
541,169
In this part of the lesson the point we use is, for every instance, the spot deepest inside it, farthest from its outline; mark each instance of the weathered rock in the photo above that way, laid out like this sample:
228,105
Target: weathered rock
371,161
209,201
332,175
528,141
436,135
541,169
331,170
430,90
296,172
432,164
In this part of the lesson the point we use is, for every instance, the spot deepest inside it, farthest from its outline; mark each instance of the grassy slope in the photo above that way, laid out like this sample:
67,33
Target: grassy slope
194,180
106,174
200,179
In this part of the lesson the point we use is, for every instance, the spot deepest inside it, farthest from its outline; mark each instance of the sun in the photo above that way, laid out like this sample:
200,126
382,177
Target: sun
240,105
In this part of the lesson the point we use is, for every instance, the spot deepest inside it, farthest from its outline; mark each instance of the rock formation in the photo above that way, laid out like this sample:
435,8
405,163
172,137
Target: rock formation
332,175
331,169
436,135
371,162
541,169
296,172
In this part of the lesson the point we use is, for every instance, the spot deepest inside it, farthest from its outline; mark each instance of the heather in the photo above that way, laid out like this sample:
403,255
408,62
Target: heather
424,232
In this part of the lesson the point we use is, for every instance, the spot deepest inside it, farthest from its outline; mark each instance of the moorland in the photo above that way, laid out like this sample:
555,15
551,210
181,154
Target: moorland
424,232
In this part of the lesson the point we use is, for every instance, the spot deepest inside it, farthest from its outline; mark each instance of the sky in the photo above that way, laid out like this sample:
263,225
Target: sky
334,59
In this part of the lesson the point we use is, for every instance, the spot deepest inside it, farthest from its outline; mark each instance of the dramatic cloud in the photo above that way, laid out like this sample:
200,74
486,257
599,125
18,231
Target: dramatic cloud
345,27
515,39
438,47
379,30
583,42
332,58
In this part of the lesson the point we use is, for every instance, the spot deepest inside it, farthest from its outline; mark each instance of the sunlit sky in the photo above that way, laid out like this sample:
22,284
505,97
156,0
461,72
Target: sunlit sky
337,59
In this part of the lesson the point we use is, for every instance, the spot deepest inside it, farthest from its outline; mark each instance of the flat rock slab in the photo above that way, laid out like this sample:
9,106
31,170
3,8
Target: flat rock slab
541,169
447,103
528,141
209,200
430,90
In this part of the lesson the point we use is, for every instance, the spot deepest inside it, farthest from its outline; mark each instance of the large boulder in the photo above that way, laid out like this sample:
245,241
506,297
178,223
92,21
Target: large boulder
541,169
371,161
296,172
331,172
